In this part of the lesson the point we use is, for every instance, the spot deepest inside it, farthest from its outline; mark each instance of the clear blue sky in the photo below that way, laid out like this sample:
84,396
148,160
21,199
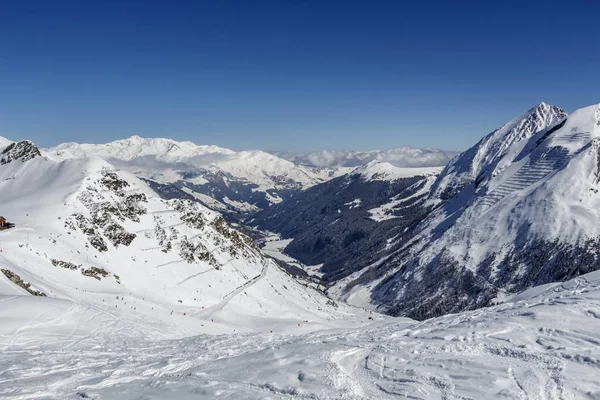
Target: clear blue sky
290,75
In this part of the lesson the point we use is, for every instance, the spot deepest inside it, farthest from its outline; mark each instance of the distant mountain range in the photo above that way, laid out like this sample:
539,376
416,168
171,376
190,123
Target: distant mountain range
108,255
404,156
396,231
233,182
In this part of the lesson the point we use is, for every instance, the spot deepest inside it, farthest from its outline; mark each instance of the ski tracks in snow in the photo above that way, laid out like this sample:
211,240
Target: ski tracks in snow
205,314
545,347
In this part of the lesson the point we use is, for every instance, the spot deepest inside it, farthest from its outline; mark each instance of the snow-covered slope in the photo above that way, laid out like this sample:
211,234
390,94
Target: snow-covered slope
530,218
481,160
4,142
223,179
543,345
107,258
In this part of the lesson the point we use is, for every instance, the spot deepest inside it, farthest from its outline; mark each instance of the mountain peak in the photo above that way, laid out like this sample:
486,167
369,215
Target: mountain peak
24,150
541,106
486,155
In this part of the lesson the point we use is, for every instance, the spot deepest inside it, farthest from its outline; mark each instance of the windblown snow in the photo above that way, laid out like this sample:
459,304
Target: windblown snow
543,345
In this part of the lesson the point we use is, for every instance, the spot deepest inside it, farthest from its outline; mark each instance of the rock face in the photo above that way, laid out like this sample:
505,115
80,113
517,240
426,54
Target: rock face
525,213
16,279
345,223
19,151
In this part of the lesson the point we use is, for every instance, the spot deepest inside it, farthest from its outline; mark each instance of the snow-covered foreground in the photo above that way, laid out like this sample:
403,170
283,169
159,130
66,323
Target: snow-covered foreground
544,344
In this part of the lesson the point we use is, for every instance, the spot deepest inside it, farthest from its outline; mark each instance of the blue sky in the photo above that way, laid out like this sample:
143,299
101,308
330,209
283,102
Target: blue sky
290,75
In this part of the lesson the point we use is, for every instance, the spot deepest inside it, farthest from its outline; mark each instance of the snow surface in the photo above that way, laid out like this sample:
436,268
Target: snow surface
544,346
4,142
150,288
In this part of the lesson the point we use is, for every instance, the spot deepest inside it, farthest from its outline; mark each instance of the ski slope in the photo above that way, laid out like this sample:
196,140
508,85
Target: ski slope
543,344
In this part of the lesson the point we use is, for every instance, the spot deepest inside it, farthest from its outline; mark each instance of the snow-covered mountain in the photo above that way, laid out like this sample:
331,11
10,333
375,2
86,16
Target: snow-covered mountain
106,257
110,291
404,157
344,223
479,161
223,179
525,213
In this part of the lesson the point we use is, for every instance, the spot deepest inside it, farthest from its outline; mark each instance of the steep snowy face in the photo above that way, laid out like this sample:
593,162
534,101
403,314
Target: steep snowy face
101,243
482,160
535,220
229,181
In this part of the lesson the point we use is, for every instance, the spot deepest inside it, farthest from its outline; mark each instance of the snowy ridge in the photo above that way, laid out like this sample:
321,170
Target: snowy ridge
493,151
4,142
258,167
136,146
533,220
239,181
376,170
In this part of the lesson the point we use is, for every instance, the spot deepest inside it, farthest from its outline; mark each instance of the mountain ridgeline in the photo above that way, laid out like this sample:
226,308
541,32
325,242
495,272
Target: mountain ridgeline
518,209
346,222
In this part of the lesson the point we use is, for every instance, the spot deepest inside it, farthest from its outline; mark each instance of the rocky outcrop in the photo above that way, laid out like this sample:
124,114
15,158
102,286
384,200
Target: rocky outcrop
93,272
107,209
23,151
16,279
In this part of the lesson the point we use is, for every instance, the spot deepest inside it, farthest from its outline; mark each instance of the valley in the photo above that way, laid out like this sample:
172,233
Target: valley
148,268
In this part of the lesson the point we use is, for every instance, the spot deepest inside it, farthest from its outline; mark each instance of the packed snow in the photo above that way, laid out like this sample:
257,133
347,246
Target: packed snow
543,345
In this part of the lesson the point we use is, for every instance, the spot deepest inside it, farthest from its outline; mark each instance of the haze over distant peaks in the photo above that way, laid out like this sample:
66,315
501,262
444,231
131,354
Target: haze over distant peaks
403,156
